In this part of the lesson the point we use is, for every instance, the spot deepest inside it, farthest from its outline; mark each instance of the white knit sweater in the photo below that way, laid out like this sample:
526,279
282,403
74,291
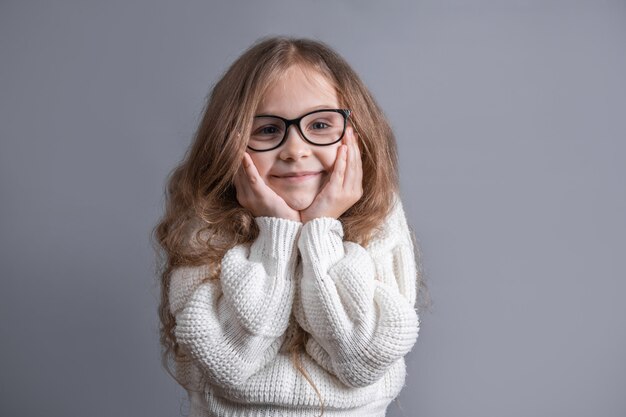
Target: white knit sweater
357,304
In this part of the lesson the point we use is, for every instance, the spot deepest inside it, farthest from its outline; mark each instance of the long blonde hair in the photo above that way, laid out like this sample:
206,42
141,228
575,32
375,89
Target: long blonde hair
200,198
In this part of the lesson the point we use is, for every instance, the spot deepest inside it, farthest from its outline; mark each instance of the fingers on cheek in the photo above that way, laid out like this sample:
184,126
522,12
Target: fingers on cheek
357,154
339,154
241,198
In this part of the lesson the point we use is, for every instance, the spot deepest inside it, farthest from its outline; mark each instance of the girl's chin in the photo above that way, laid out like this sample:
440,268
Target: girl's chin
298,202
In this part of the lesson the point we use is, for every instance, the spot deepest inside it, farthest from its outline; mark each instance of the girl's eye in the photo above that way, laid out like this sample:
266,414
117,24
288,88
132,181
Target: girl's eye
319,125
267,130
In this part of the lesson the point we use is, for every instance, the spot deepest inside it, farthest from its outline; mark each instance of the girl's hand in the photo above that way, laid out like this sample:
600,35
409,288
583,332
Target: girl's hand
256,196
345,186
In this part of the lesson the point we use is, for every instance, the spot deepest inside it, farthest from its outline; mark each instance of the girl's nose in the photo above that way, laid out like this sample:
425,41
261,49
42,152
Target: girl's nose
295,147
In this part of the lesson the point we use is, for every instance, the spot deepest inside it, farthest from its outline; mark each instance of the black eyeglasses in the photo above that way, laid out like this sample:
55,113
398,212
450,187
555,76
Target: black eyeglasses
320,127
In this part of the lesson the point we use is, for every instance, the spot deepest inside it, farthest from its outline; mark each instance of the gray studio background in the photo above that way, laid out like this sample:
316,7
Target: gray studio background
510,123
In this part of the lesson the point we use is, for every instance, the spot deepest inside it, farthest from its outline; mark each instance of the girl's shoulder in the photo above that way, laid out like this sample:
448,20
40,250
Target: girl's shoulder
394,230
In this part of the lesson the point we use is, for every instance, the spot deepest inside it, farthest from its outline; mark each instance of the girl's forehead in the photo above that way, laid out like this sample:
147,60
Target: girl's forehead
300,86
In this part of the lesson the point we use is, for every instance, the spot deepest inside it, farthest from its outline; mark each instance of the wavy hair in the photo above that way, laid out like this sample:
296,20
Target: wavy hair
202,218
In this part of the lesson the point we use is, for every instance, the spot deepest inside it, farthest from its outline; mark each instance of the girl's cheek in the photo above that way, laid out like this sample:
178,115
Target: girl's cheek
261,166
332,157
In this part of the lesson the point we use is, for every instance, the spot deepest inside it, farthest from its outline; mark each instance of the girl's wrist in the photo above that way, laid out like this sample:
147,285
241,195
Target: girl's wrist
306,219
283,217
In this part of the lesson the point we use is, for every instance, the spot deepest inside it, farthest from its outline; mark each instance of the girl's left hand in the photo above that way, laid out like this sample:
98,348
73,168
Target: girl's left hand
345,186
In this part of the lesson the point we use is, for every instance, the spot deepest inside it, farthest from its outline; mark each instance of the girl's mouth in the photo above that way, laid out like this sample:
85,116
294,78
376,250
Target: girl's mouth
298,176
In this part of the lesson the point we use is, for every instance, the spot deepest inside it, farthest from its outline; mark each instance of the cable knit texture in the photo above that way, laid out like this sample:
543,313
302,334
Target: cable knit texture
357,303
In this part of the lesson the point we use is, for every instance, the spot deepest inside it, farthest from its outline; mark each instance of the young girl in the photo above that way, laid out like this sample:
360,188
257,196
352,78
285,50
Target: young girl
290,275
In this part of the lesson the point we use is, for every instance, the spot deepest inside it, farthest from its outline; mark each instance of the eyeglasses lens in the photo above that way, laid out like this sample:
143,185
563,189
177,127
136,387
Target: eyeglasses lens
320,128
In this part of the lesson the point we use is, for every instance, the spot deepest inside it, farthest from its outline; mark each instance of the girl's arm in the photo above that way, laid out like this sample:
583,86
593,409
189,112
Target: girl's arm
234,326
357,304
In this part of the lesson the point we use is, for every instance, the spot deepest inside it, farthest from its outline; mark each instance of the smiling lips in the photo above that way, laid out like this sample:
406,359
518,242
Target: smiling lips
298,176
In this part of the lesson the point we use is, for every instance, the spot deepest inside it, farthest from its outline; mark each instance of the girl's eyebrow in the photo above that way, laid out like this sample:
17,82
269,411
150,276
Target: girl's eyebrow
309,109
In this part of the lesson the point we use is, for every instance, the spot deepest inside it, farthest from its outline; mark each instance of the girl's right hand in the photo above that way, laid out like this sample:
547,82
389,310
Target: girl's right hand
256,196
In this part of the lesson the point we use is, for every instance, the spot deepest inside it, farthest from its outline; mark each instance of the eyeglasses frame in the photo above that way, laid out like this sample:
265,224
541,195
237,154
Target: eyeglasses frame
288,122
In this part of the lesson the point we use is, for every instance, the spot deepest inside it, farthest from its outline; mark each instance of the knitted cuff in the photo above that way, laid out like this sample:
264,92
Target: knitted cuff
276,240
321,242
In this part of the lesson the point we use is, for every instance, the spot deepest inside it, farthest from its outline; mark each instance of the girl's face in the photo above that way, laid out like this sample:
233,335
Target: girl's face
297,170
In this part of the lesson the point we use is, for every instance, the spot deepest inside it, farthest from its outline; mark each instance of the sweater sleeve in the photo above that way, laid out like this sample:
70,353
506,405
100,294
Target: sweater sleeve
234,326
358,305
